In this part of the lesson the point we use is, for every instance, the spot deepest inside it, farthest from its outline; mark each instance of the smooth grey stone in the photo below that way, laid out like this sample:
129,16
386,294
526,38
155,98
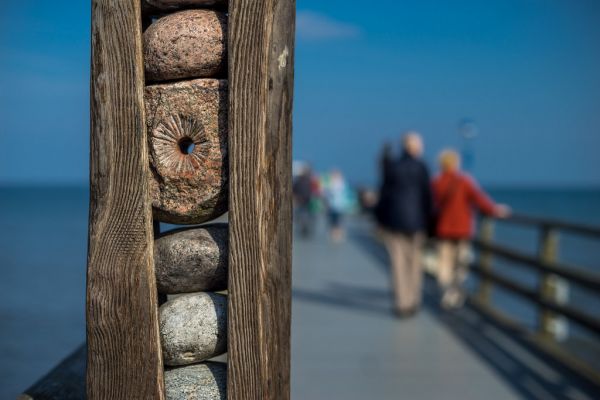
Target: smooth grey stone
192,260
205,381
193,328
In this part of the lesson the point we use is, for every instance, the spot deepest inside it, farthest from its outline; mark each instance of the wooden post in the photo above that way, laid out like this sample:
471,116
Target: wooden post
124,355
548,287
486,236
261,60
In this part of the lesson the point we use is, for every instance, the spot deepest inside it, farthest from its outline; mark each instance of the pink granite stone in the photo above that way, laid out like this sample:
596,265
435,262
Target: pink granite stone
187,137
186,44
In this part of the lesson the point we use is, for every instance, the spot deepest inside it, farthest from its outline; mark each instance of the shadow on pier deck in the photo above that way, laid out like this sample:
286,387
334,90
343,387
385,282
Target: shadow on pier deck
347,344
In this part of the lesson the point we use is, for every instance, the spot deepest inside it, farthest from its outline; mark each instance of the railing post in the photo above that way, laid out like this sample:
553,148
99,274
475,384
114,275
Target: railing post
486,235
550,325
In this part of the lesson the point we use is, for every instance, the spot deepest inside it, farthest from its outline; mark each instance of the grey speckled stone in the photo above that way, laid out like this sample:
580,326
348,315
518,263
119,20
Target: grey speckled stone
192,260
188,186
193,328
205,381
186,44
170,5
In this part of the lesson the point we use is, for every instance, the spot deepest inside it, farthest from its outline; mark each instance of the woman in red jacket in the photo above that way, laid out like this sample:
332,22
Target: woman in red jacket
457,196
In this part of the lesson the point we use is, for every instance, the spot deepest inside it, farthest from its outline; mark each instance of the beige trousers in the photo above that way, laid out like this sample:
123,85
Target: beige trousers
452,264
405,255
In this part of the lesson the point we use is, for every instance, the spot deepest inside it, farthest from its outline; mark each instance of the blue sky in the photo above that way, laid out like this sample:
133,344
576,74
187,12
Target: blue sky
526,71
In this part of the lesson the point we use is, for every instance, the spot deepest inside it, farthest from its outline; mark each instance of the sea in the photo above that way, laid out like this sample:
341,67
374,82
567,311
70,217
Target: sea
43,241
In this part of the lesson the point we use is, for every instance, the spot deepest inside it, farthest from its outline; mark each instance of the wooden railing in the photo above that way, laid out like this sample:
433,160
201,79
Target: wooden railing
550,272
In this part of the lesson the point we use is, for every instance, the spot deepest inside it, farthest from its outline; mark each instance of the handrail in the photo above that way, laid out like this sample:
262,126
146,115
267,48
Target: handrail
573,273
543,346
552,310
572,313
543,222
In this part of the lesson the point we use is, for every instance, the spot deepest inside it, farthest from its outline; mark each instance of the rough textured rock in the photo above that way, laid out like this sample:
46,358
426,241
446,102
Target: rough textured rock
170,5
205,381
193,328
192,260
189,185
186,44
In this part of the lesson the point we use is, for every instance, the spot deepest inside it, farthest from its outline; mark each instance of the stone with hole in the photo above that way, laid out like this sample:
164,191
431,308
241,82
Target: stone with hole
192,260
187,137
186,44
204,381
193,328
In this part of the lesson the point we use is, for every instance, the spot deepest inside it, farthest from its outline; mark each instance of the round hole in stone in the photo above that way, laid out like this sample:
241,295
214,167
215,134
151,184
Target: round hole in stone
186,145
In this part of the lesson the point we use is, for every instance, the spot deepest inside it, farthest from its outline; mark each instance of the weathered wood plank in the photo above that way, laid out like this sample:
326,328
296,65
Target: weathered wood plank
261,59
124,357
65,382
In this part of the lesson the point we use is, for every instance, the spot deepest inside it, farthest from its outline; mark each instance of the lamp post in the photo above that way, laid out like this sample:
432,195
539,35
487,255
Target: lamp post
467,130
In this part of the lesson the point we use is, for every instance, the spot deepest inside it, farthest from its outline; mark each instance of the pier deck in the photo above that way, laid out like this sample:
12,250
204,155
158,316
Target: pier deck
347,344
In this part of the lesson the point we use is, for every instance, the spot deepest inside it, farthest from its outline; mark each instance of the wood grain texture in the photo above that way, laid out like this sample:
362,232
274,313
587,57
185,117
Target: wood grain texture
261,60
124,356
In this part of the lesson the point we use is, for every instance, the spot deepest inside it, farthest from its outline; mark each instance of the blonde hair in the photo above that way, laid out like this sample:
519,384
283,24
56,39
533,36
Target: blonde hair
449,160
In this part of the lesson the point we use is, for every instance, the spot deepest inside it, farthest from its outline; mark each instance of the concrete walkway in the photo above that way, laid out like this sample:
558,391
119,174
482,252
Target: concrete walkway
346,344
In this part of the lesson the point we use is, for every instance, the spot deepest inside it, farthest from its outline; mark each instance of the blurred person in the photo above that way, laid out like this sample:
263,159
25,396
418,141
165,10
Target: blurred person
335,192
456,197
367,200
403,214
305,189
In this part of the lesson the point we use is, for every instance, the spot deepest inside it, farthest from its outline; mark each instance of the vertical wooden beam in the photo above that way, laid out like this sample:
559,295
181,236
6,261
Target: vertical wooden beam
548,252
486,235
124,355
261,60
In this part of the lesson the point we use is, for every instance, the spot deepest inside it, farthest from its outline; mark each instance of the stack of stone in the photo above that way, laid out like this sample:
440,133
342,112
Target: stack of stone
185,97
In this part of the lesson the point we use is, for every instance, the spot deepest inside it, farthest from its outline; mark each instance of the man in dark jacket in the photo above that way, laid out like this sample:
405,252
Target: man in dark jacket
403,214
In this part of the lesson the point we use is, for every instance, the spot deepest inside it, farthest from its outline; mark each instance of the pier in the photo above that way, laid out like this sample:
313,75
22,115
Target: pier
346,343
